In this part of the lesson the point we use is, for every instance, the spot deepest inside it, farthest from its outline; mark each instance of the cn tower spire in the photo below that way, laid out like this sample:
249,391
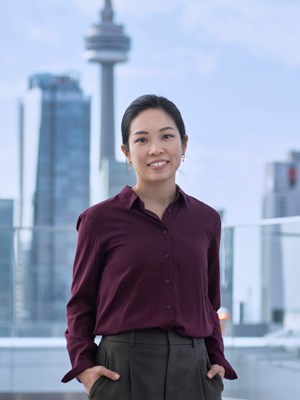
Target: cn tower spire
106,44
107,12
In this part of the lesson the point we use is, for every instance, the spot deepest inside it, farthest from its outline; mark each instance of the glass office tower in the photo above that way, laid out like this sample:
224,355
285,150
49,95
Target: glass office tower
54,188
6,264
281,199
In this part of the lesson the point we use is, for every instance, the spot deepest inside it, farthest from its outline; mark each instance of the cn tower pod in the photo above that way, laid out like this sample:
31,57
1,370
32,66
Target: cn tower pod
106,41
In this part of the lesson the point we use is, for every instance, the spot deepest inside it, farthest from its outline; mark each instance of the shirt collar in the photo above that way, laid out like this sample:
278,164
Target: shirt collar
181,194
128,197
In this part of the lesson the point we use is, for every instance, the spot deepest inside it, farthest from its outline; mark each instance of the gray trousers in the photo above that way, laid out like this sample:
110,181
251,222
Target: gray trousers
155,365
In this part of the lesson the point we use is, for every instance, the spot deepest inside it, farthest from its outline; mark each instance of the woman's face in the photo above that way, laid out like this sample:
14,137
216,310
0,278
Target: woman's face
155,146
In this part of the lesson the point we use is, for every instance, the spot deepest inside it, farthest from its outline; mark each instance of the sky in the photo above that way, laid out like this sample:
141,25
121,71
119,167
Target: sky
232,67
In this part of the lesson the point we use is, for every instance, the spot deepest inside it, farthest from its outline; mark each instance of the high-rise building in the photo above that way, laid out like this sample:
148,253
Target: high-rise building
6,264
281,199
54,186
282,187
107,45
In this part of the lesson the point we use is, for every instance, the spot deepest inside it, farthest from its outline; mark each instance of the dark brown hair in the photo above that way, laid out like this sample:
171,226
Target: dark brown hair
150,101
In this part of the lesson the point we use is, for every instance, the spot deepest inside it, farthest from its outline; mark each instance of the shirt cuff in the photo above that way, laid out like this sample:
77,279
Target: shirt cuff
229,371
76,371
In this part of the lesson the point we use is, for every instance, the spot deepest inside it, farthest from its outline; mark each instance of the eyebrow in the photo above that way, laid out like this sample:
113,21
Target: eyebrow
166,128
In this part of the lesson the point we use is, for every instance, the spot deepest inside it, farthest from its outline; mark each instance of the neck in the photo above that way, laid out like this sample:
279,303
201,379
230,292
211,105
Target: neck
158,193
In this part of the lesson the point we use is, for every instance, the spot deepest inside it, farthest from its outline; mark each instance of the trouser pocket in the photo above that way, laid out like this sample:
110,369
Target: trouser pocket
95,386
212,388
113,356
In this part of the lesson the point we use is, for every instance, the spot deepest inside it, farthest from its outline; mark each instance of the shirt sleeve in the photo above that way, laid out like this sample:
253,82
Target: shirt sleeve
214,343
81,308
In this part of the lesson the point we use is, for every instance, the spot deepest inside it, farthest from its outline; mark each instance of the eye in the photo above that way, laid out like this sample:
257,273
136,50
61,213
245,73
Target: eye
168,136
141,140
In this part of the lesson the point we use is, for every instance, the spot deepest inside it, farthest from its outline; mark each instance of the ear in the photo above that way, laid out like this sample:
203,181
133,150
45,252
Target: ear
184,145
126,152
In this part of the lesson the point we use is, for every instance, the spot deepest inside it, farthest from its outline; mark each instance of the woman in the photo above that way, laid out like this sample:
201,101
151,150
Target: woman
146,277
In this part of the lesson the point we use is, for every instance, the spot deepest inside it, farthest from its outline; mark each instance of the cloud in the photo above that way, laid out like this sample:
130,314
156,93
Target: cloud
266,29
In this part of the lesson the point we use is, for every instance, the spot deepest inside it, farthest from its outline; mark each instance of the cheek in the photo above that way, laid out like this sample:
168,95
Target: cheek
178,150
137,156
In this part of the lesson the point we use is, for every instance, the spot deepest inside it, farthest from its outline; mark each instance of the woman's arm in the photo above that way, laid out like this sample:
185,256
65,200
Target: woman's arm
81,308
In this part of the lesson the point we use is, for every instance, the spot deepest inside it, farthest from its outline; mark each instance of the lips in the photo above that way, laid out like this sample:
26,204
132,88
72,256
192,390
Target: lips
158,164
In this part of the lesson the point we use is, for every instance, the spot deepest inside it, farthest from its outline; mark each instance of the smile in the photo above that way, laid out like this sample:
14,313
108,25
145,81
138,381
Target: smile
158,164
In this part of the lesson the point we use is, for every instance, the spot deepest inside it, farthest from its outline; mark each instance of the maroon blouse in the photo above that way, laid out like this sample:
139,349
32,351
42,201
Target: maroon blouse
134,271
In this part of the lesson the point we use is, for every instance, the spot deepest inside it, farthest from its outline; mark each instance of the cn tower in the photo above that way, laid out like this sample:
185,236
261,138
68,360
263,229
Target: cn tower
106,44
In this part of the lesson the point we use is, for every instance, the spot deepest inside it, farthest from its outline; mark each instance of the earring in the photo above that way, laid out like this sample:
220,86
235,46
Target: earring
129,165
183,157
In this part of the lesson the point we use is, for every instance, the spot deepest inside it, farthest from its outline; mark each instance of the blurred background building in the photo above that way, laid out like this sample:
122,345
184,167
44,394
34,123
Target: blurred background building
54,187
282,187
106,44
6,264
281,199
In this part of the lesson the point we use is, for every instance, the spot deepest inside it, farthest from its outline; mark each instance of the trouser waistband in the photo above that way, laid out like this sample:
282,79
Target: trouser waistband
153,336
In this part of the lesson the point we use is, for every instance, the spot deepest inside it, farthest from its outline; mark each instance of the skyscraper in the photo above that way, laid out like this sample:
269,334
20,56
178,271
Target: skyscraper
282,187
107,45
54,185
281,199
6,264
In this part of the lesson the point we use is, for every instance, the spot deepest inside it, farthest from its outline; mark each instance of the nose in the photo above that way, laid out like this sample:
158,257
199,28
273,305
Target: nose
156,148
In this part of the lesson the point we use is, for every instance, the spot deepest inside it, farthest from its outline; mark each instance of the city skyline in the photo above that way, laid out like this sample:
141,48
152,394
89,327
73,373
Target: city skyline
233,70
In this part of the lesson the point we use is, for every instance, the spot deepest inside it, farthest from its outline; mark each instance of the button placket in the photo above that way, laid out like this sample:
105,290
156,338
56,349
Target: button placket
167,256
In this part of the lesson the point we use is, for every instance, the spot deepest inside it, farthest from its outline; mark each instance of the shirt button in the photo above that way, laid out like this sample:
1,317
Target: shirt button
169,307
164,231
167,256
167,281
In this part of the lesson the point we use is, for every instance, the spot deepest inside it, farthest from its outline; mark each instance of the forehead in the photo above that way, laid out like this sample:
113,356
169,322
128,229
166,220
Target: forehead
152,119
